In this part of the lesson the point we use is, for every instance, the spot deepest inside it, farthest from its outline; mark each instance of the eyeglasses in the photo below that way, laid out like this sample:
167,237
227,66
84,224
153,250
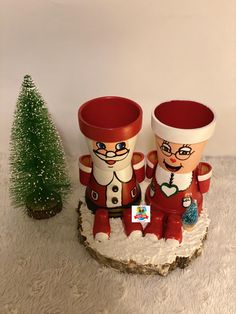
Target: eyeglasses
182,153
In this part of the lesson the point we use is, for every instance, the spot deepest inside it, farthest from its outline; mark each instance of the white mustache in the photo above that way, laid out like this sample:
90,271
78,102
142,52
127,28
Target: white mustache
115,158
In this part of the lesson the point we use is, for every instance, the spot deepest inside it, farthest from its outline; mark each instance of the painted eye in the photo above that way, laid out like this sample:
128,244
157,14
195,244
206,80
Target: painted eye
101,145
120,146
166,148
185,151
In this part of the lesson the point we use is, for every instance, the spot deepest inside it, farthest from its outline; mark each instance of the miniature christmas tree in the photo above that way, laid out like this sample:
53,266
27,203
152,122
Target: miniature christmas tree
39,179
190,217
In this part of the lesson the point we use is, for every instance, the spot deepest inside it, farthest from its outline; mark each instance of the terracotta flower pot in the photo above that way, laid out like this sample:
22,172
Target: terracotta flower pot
112,171
179,179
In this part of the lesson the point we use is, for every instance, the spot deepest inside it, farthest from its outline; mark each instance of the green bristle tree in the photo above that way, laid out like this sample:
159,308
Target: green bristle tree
38,181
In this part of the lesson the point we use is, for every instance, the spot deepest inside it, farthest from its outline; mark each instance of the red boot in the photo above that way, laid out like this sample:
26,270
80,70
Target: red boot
133,229
174,228
101,225
155,227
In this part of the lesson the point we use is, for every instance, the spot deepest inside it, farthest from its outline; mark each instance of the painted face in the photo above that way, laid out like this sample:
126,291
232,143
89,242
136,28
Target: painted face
179,158
112,156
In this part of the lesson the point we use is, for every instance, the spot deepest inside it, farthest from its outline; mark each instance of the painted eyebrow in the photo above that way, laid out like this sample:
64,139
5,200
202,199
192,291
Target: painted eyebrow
165,142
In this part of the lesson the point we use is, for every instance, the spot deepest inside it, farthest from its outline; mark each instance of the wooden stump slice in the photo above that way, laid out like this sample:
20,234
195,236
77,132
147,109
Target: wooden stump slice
143,255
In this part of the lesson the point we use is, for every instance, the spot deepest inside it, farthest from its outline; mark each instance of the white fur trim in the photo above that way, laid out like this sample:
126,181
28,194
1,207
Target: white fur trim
151,236
205,177
85,168
110,193
139,165
177,135
150,164
101,236
136,234
182,181
104,177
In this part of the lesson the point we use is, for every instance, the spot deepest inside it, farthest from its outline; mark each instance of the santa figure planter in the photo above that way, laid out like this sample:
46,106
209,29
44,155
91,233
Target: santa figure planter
112,171
179,179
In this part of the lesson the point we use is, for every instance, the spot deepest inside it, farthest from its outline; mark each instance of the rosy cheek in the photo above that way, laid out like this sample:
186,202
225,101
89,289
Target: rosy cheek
121,152
101,151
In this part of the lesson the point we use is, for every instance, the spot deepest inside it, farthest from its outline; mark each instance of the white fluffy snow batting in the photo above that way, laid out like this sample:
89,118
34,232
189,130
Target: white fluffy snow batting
144,255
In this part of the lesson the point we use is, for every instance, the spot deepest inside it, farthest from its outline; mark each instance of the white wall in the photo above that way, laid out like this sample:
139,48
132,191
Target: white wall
150,51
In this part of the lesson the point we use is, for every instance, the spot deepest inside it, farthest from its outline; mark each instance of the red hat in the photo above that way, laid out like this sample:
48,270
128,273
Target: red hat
183,121
110,119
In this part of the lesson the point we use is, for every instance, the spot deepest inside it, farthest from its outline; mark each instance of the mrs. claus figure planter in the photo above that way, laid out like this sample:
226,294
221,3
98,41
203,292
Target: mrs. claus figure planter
112,171
179,179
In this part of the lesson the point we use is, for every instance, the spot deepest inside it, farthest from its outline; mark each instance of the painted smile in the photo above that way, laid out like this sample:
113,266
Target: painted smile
110,162
172,168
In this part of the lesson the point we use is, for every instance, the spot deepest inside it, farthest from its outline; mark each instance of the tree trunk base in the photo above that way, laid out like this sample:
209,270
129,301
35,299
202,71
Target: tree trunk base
37,212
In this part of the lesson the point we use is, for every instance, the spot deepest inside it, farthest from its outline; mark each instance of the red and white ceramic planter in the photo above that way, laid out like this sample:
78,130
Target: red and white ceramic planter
179,179
112,171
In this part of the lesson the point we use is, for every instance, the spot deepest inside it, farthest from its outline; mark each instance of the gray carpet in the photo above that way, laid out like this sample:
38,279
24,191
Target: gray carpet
44,269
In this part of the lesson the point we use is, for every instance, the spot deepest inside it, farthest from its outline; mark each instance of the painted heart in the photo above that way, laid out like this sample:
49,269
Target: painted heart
168,189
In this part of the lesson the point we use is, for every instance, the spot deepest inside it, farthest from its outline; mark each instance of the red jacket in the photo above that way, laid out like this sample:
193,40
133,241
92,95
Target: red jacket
167,198
114,193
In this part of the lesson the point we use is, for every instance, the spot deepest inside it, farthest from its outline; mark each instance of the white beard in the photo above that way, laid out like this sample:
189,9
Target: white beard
106,177
182,181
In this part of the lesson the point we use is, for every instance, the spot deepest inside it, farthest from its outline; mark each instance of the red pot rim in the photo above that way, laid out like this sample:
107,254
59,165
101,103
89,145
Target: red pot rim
110,118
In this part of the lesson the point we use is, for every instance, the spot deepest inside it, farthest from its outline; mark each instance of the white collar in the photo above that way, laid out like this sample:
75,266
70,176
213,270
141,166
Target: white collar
104,177
182,181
